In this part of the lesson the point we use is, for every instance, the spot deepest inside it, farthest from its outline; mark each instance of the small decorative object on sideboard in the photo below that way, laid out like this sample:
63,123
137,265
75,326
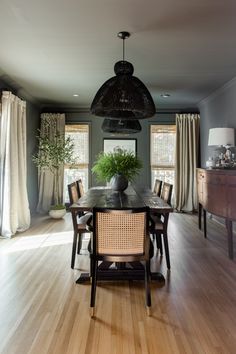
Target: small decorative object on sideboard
225,160
210,163
224,139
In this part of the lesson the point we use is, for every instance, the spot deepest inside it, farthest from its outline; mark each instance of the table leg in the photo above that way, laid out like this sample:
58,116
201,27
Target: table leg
199,216
230,238
204,223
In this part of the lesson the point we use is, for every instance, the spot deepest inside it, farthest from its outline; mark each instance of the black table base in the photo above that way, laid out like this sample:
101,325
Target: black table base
108,273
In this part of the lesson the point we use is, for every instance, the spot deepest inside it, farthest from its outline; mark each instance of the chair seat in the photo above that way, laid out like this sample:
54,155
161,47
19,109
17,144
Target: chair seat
83,220
156,223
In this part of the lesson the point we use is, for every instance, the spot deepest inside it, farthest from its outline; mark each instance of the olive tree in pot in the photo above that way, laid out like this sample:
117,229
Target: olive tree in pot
53,153
119,168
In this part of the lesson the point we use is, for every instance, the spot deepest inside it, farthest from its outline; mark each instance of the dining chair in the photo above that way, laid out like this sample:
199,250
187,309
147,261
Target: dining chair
79,220
80,187
159,223
120,236
73,191
166,192
157,187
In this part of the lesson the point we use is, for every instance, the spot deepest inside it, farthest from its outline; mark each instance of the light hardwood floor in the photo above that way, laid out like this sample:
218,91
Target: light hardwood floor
43,310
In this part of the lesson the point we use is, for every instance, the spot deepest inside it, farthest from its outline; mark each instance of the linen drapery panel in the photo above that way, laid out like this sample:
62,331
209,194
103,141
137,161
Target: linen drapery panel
51,123
14,205
187,147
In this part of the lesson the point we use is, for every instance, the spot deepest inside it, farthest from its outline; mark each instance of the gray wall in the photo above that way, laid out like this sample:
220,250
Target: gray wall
33,123
143,140
217,110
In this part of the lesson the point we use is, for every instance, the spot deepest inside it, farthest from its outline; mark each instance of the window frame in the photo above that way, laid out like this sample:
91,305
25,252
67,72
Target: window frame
83,165
155,167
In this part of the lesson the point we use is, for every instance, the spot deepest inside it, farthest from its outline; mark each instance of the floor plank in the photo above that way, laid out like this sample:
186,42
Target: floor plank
43,310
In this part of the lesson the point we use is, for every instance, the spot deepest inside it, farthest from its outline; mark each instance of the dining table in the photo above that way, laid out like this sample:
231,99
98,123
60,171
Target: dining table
133,197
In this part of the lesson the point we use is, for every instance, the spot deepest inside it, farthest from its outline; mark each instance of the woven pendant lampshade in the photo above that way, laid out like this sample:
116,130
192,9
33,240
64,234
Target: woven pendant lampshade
121,126
123,96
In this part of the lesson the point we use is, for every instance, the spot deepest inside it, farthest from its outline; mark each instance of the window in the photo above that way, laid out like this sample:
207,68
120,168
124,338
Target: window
79,133
163,152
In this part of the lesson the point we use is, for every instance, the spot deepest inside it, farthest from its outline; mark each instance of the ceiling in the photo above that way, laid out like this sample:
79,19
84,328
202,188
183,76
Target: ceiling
52,49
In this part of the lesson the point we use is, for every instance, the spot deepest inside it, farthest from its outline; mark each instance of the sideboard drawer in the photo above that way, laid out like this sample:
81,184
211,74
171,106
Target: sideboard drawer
216,178
201,179
231,181
201,175
216,200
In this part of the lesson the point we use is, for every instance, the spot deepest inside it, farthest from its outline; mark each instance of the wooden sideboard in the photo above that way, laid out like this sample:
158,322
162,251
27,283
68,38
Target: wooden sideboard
217,195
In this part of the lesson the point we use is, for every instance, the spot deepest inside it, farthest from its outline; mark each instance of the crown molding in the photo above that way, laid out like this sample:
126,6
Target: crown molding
217,92
11,85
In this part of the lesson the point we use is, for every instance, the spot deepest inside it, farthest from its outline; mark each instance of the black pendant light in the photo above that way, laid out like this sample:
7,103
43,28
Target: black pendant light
123,96
121,126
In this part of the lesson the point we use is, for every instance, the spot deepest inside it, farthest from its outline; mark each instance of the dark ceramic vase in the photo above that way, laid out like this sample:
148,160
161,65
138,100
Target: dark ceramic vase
119,183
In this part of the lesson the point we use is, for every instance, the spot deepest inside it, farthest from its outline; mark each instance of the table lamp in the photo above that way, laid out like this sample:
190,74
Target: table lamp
222,137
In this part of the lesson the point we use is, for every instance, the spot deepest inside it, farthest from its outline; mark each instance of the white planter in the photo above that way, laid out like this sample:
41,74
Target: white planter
57,214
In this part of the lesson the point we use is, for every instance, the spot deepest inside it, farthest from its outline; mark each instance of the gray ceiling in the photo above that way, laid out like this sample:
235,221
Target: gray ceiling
51,49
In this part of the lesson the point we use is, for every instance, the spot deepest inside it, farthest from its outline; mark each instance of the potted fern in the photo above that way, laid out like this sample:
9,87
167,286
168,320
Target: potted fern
53,153
119,168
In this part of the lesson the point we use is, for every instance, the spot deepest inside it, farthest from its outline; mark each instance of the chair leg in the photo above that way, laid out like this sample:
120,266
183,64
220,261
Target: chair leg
89,246
147,286
79,244
159,243
166,250
94,265
74,250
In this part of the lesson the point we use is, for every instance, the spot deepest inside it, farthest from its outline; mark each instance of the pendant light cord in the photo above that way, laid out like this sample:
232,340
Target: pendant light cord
123,49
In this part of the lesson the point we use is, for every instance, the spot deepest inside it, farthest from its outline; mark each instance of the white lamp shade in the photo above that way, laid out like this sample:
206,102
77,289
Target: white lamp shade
221,136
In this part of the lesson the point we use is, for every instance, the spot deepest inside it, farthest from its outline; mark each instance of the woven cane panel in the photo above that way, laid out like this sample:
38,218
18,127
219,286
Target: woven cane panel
81,188
120,233
165,193
157,186
74,194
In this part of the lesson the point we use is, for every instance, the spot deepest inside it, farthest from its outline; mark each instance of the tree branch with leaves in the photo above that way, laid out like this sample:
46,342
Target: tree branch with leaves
54,152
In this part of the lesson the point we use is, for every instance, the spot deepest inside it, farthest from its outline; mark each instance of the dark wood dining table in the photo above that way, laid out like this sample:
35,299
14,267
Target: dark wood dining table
133,197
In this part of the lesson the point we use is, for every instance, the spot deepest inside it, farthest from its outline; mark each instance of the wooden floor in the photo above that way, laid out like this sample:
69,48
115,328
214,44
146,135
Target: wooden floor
43,310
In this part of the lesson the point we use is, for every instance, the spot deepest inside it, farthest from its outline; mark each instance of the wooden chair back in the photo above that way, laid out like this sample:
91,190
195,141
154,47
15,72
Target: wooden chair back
166,192
121,233
80,187
73,192
157,187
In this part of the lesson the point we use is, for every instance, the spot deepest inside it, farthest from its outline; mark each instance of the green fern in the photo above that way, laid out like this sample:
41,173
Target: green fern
120,162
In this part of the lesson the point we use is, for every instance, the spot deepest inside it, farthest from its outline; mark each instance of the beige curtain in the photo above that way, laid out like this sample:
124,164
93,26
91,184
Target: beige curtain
50,124
14,205
187,147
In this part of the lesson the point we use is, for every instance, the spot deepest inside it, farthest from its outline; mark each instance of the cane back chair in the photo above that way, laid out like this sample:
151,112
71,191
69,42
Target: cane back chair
120,236
157,187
